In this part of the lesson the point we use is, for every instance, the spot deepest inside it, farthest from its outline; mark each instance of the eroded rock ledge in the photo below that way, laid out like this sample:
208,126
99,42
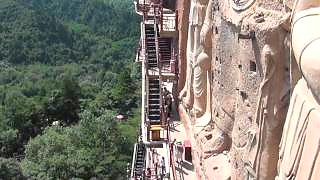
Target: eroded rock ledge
235,109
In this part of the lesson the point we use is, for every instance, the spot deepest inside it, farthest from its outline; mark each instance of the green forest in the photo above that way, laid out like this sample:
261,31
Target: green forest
66,70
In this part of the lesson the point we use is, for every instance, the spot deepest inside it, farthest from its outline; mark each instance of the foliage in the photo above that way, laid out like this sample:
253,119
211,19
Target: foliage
64,104
67,61
93,148
10,169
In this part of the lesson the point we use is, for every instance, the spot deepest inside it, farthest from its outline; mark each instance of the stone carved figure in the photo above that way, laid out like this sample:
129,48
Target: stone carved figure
299,156
220,136
240,5
270,115
219,139
196,19
202,68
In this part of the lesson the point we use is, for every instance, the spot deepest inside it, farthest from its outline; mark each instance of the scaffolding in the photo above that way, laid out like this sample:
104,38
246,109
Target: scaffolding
153,153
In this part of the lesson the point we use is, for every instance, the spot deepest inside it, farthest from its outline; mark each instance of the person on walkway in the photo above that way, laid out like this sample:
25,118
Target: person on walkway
163,167
148,173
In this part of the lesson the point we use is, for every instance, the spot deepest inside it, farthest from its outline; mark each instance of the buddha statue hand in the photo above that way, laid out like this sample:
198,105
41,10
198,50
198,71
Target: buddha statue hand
203,33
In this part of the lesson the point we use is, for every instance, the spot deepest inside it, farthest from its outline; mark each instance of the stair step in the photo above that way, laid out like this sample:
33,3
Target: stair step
154,101
153,118
154,81
154,87
155,110
154,113
154,92
156,107
154,84
154,96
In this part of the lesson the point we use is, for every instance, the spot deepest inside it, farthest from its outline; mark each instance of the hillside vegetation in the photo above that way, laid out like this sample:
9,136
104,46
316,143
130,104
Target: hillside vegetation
67,62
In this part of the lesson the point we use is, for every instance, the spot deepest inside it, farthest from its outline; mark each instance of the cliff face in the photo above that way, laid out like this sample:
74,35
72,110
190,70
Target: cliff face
249,87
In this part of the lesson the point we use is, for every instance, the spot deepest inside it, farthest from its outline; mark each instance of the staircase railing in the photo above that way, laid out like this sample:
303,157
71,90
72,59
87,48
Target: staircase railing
156,9
133,160
172,160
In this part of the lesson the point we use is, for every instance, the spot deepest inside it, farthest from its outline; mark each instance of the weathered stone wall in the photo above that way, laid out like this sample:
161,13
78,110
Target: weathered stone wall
182,9
250,91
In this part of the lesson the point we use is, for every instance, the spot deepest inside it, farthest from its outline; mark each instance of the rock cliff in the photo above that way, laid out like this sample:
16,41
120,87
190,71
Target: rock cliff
236,108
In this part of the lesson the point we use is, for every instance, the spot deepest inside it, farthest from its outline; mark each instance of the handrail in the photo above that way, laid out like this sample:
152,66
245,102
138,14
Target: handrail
133,160
169,22
172,161
155,12
151,12
136,5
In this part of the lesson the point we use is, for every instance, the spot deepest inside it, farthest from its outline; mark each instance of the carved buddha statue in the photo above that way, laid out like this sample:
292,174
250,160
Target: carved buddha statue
299,156
202,67
196,19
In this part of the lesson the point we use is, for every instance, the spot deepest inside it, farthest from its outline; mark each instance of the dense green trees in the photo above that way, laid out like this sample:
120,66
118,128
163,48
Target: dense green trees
67,61
10,169
93,148
64,104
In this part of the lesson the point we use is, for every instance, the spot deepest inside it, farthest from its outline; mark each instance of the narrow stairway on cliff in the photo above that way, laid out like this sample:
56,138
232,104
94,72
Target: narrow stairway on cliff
154,101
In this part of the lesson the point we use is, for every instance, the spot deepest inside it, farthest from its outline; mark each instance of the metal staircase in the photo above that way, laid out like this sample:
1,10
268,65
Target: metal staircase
165,51
154,101
156,56
153,61
139,160
151,46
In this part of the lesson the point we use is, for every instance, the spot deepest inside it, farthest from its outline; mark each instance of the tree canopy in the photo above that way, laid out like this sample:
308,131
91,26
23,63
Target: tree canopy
66,69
